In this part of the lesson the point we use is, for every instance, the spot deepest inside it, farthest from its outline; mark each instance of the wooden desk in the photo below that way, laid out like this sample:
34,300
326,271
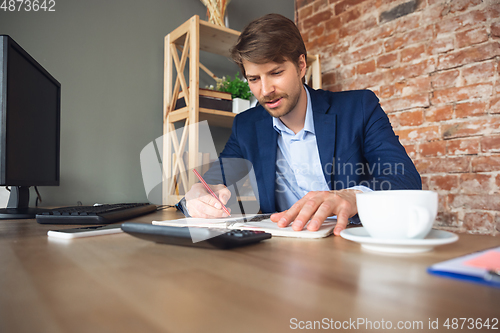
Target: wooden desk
118,283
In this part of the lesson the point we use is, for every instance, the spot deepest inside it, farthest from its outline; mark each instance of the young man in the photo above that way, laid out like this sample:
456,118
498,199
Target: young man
311,150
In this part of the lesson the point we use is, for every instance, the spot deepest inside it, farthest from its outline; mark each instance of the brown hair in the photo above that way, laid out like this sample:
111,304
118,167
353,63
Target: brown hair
271,38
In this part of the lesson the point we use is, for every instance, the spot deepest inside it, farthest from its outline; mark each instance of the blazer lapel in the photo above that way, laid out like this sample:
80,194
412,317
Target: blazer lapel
267,141
324,126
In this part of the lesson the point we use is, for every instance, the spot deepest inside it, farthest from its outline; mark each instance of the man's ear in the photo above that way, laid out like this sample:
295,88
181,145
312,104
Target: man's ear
302,65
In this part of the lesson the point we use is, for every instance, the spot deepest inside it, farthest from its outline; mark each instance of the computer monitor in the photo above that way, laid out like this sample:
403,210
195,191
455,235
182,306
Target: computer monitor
30,107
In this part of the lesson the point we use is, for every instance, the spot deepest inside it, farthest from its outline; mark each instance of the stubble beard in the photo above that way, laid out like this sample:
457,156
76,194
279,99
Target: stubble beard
283,109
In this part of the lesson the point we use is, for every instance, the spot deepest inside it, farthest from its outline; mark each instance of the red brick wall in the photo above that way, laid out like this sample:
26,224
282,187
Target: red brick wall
434,64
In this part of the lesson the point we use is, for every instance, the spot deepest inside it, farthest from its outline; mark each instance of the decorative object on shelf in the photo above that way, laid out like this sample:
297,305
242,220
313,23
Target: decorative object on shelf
239,90
237,87
209,99
240,105
216,10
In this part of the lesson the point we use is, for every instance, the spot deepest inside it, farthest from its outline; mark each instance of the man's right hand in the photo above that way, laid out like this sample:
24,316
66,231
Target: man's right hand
200,203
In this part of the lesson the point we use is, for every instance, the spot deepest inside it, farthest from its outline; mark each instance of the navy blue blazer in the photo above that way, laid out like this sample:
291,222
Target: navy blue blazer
356,144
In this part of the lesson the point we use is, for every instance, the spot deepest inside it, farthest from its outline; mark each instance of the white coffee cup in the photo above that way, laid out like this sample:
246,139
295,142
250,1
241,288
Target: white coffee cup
401,214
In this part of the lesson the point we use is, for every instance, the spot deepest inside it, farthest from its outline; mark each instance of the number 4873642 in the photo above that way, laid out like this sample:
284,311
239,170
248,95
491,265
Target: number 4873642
28,5
470,323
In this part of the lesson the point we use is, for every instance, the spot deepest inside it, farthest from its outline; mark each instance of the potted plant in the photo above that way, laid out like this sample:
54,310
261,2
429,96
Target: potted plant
239,90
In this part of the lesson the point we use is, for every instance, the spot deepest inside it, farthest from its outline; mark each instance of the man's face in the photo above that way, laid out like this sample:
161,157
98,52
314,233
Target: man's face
276,86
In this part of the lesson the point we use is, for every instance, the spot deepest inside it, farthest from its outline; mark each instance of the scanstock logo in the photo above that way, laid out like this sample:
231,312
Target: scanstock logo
170,176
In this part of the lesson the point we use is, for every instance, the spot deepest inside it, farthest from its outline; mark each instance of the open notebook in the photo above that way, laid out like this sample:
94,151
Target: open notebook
255,222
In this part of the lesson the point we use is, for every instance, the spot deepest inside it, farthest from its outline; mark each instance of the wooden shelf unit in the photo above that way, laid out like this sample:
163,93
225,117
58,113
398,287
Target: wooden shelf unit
189,39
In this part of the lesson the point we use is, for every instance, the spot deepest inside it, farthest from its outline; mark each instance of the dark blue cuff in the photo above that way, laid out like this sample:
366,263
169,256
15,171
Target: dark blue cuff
181,206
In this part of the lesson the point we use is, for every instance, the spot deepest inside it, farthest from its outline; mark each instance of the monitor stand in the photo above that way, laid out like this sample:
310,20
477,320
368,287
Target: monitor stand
18,205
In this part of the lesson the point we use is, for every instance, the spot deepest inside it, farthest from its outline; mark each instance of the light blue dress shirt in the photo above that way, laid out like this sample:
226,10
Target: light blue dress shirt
298,166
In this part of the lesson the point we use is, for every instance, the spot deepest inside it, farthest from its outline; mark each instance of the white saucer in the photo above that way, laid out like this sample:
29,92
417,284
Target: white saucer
434,238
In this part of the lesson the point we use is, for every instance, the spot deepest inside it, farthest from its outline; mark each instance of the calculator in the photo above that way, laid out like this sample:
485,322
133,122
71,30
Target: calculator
210,238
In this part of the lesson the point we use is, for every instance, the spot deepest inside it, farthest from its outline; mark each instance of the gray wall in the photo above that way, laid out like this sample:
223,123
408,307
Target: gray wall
108,57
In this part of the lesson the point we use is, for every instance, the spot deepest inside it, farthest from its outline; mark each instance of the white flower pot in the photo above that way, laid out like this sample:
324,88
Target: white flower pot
240,105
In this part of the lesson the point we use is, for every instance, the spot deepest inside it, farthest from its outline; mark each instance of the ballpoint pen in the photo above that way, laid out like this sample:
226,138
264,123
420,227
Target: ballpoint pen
210,190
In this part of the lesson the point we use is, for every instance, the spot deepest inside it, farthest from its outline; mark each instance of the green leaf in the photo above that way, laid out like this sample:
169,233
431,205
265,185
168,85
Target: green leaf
237,87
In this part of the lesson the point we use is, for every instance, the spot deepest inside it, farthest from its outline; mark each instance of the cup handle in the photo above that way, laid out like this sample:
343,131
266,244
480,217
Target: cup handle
418,220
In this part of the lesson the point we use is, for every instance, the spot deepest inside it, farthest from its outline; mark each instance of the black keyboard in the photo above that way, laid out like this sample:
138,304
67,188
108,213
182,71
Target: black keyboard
98,214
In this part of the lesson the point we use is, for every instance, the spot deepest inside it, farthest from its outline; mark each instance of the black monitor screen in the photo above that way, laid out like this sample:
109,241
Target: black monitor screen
30,107
31,128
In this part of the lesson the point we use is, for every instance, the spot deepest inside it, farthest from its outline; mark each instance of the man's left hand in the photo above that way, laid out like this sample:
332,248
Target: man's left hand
316,206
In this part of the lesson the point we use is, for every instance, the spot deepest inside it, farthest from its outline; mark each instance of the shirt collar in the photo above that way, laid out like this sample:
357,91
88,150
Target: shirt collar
308,123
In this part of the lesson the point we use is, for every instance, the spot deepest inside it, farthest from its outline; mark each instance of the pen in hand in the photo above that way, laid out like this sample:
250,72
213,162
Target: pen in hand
211,192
